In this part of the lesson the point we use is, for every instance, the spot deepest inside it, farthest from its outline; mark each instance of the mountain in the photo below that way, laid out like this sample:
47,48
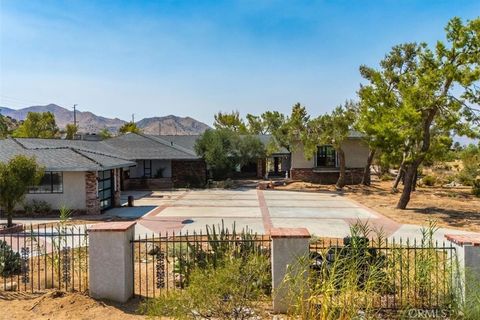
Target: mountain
172,125
91,123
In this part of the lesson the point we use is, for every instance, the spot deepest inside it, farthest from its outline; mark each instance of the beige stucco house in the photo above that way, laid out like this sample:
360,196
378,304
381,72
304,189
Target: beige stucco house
323,166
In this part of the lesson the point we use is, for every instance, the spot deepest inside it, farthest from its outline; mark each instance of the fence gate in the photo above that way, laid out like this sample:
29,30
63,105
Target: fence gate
44,257
164,262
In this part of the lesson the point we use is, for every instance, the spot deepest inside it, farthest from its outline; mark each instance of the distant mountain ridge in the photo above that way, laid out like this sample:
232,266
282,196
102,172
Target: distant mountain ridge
88,122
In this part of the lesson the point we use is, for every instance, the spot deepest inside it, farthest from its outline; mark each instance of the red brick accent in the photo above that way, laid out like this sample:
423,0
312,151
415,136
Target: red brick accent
92,201
189,173
353,175
464,239
14,229
289,233
112,226
266,219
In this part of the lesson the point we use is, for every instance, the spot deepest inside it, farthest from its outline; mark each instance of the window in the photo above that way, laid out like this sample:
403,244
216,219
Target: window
52,182
147,168
326,157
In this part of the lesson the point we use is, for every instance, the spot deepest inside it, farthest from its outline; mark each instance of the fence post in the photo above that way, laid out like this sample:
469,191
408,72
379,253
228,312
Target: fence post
110,260
467,247
288,244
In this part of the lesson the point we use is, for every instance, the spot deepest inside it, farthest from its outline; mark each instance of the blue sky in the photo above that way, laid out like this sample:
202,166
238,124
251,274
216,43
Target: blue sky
195,58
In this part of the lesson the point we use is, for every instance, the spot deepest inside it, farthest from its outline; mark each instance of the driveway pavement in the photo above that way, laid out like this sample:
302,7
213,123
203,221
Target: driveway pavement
323,214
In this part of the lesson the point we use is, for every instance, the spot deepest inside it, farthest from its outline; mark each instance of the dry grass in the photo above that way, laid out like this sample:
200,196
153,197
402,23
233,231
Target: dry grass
451,207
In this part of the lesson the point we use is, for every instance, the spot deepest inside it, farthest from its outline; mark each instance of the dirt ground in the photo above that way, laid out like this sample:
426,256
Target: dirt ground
452,207
60,305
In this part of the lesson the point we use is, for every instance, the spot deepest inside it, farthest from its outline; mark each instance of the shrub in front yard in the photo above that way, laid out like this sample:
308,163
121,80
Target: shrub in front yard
232,290
37,207
476,188
9,260
429,180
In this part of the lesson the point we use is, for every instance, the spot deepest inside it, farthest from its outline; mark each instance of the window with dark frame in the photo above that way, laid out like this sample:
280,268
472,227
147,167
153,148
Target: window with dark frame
51,182
326,156
147,168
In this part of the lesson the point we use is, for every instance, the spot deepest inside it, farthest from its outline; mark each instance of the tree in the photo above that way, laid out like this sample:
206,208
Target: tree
129,127
331,129
231,121
224,150
215,147
16,176
423,89
37,125
3,127
105,134
71,130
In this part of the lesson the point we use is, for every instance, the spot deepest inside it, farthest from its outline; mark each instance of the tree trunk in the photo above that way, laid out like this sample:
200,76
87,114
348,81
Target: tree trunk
415,178
9,212
366,172
400,175
341,177
408,185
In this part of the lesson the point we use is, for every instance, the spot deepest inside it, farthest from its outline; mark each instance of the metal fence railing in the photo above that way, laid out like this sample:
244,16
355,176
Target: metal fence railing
404,274
164,262
44,257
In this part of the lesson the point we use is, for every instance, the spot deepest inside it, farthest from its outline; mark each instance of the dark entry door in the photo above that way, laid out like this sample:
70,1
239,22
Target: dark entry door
105,188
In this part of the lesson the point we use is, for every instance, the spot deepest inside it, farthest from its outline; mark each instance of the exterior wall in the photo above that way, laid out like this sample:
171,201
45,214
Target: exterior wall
261,168
299,160
73,196
187,173
356,153
137,171
91,193
352,176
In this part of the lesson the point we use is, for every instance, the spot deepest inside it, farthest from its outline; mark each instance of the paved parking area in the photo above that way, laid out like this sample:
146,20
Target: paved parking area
323,214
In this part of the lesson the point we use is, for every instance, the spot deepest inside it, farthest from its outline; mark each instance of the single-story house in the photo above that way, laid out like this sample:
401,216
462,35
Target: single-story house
88,176
83,180
324,168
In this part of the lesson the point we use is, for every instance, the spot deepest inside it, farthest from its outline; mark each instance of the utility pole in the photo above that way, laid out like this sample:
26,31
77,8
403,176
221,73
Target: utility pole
133,117
159,128
75,115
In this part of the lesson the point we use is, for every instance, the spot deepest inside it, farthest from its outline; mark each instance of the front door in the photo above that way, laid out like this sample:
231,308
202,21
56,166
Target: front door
105,189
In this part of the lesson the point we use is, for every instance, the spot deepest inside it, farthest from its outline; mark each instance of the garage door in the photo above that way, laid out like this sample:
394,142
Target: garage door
105,189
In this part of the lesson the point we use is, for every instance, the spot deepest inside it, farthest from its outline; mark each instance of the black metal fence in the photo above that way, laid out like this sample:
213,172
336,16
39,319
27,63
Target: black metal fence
403,274
164,262
44,257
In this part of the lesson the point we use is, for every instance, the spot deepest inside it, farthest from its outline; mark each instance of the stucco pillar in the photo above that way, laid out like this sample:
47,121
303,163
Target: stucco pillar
288,245
110,261
467,247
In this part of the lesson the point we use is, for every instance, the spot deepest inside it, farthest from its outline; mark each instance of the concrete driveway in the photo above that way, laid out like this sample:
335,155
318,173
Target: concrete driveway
323,214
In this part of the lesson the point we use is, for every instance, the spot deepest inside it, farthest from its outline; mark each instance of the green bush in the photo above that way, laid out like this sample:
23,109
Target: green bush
232,290
9,260
37,207
429,180
476,188
386,177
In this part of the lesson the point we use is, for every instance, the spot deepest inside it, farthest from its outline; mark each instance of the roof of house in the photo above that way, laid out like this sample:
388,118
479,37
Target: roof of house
60,157
140,146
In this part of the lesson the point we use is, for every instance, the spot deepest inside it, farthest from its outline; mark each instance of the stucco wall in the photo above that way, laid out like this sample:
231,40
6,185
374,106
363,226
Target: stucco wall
299,160
356,153
73,195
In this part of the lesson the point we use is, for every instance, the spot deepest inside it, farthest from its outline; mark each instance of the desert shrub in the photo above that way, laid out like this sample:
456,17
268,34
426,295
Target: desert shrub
476,188
9,260
429,180
37,206
231,290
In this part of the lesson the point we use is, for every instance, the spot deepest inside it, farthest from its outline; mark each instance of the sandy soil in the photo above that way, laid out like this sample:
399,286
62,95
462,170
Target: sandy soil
451,207
60,305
